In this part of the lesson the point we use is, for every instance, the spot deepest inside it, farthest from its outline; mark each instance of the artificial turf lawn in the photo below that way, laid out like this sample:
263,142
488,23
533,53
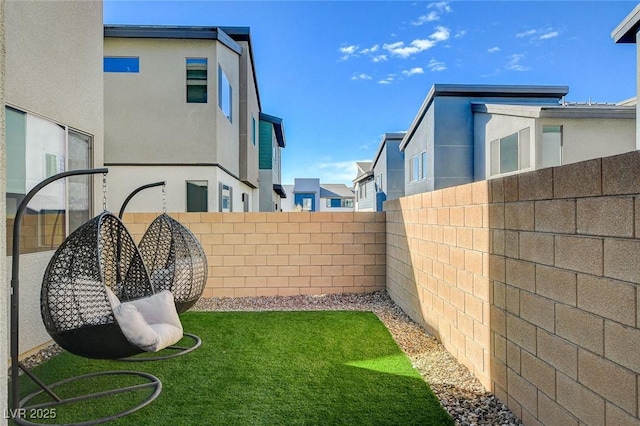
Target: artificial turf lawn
325,367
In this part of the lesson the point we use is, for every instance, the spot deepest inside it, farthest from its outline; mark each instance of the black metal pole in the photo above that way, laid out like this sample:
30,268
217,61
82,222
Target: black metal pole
15,275
135,191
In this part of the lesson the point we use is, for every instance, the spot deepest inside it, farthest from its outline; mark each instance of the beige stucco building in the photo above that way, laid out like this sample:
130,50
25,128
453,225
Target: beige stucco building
513,139
54,122
182,105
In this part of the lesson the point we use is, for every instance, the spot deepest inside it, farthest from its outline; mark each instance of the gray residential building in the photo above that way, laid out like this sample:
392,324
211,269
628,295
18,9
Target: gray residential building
364,187
388,170
312,196
466,133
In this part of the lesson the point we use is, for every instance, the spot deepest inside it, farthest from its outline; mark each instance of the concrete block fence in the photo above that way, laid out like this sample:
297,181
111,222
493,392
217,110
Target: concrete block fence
285,254
531,281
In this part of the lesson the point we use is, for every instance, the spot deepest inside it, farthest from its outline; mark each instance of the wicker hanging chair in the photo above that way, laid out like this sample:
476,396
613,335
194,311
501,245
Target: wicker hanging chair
95,265
175,260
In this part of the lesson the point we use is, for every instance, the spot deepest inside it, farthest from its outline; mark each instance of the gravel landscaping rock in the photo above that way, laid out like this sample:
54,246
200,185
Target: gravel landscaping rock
459,391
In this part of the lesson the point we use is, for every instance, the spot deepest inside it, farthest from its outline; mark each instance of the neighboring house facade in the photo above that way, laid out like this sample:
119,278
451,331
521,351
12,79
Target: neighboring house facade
54,122
308,194
628,32
512,139
466,133
182,105
364,187
388,170
272,141
438,146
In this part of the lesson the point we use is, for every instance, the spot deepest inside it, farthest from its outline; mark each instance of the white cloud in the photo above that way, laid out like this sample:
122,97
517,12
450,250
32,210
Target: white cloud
361,76
413,71
515,63
539,34
435,65
336,171
430,17
390,78
418,45
551,34
493,49
441,34
348,51
370,50
460,34
379,58
526,33
442,6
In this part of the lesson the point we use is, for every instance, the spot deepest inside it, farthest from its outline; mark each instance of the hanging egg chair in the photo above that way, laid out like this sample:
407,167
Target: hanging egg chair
97,300
175,260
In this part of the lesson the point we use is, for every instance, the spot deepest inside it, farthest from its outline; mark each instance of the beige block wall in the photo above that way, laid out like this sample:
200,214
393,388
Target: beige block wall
531,281
438,268
285,254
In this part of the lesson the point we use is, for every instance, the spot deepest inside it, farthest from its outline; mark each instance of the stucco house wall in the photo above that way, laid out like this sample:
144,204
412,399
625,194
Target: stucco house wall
587,132
444,129
159,130
4,296
44,76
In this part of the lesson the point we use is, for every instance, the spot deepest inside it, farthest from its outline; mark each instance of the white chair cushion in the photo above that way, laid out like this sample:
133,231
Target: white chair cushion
150,323
113,299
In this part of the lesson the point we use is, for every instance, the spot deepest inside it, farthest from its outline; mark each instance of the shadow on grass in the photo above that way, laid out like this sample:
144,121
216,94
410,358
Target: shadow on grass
323,367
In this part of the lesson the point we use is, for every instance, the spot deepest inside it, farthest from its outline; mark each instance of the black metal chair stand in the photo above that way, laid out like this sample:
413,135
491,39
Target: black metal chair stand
19,408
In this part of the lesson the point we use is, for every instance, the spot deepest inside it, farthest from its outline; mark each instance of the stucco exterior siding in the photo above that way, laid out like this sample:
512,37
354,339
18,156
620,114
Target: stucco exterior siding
490,127
249,116
147,118
127,178
53,69
584,139
4,302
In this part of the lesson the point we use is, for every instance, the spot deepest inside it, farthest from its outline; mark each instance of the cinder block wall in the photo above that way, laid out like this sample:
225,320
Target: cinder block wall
539,297
269,254
438,268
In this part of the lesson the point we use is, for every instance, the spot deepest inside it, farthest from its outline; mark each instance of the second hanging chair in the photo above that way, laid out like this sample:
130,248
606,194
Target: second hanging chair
175,260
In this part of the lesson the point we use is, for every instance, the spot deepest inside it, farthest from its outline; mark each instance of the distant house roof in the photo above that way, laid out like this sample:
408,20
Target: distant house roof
364,170
386,137
279,189
335,190
228,36
626,31
558,111
481,90
278,126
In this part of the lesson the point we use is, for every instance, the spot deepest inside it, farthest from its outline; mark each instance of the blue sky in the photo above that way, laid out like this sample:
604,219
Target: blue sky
342,73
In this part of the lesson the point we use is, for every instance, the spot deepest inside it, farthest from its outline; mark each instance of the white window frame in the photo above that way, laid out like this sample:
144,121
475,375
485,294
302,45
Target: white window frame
523,153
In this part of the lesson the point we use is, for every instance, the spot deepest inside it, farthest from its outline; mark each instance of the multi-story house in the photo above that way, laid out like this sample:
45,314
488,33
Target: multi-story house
54,122
388,170
182,105
312,196
465,133
272,141
364,187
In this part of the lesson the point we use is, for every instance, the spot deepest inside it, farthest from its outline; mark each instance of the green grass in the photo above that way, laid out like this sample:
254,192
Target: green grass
270,368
